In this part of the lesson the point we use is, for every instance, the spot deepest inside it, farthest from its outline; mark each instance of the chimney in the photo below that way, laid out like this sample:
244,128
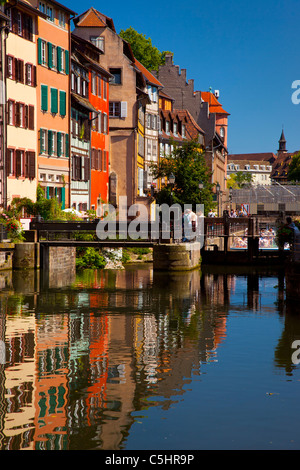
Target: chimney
169,59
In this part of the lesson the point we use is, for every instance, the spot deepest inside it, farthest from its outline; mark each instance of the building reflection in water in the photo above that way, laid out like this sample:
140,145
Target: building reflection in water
81,360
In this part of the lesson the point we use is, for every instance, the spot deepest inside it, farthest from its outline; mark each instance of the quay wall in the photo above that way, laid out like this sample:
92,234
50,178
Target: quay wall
176,257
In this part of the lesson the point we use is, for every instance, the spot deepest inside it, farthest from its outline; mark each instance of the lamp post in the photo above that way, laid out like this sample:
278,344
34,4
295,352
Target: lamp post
218,195
200,185
230,197
172,182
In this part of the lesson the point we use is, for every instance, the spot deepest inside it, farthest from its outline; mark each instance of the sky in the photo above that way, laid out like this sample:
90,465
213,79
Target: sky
249,51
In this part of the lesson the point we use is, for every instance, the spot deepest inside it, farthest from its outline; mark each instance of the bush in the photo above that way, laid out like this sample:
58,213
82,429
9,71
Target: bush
90,259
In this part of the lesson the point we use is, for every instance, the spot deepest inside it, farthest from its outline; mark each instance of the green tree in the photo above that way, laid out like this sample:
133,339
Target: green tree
143,50
239,180
294,168
187,164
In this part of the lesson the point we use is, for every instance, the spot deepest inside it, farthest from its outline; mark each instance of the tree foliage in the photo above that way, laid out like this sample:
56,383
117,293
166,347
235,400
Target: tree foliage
239,180
187,164
294,168
143,50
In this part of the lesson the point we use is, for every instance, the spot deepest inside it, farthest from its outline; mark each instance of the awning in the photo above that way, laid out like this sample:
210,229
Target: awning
84,103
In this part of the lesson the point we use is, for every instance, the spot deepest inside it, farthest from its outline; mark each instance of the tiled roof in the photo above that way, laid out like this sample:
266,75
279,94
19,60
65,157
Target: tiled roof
148,75
214,105
92,18
193,128
251,157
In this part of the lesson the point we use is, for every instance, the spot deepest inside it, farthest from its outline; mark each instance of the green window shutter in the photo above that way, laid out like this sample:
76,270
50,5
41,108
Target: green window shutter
42,150
67,146
47,192
50,146
58,58
44,97
67,62
39,51
50,63
59,144
62,103
63,198
54,100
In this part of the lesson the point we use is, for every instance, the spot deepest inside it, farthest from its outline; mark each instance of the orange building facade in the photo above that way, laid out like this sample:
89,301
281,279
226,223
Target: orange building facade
53,101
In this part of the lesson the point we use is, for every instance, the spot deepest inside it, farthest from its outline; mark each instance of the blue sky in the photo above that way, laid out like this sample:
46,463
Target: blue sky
247,50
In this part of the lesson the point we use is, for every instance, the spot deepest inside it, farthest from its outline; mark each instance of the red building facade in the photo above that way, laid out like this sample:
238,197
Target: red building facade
98,97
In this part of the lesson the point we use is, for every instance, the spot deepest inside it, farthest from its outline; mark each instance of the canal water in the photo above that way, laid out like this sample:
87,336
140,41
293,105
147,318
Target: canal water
138,360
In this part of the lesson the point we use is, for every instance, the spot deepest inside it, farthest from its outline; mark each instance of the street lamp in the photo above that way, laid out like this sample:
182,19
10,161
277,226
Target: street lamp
230,197
218,195
171,182
200,185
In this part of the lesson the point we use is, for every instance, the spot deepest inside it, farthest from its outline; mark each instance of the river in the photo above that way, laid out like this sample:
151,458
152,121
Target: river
134,359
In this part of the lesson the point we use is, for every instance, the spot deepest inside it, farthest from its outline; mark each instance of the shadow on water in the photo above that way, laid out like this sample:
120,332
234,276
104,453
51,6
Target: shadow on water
99,346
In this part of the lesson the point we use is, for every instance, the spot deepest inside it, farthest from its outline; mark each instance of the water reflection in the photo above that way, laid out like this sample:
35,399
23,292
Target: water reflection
81,360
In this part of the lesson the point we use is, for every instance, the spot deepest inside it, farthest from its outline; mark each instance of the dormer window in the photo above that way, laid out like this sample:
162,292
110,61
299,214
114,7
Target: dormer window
183,130
167,127
175,128
98,42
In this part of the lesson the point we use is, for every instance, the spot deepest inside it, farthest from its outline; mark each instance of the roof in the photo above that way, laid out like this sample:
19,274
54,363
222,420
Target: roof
92,18
257,157
192,127
84,102
163,94
214,105
148,75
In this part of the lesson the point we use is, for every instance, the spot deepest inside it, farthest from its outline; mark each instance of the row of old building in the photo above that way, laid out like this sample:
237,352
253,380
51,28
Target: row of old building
84,119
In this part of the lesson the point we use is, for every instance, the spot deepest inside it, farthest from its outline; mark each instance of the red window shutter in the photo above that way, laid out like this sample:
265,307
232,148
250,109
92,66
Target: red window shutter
16,69
33,71
31,117
30,165
17,114
18,163
21,71
8,162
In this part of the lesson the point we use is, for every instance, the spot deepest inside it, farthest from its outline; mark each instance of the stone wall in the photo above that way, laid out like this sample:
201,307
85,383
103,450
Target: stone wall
176,257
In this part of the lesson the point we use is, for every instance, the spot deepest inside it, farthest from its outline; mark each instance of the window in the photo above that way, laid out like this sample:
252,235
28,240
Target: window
114,109
222,132
116,79
30,74
19,166
98,42
54,57
42,52
99,85
94,84
42,7
104,123
168,127
61,19
104,89
11,112
19,23
175,128
152,92
19,70
183,130
10,162
43,141
50,13
9,62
